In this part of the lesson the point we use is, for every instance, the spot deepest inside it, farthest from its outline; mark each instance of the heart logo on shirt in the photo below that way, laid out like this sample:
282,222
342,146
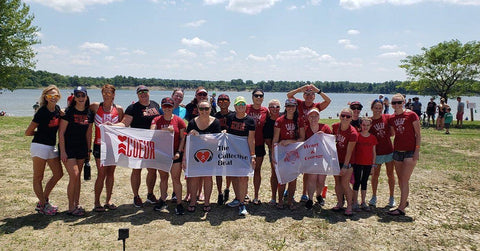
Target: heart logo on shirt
203,155
122,138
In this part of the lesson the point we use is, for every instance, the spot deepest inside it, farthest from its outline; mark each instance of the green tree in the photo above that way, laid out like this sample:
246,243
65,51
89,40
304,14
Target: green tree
17,35
447,69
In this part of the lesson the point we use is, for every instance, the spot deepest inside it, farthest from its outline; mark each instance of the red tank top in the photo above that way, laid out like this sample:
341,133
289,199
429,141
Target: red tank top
101,117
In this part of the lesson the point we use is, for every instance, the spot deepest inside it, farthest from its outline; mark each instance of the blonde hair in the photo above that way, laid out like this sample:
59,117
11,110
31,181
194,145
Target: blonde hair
347,110
49,88
399,95
108,86
273,101
366,119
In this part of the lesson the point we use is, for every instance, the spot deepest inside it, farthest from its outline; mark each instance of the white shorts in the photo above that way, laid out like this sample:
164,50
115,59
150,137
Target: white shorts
43,151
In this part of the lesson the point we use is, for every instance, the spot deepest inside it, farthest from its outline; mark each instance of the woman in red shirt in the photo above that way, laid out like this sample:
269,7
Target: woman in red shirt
406,146
346,138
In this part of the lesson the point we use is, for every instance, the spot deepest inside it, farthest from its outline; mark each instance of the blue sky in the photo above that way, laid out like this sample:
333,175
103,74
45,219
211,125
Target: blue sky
325,40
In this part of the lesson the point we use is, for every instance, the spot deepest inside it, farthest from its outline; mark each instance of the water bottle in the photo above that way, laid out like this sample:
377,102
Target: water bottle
86,170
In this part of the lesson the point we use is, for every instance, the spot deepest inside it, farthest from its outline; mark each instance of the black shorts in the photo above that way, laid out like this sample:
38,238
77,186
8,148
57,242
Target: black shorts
96,151
260,151
77,153
179,160
400,156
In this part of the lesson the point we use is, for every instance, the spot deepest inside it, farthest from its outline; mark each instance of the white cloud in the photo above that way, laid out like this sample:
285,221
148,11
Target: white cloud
314,2
186,53
357,4
212,2
293,7
210,54
388,47
83,60
396,54
52,49
250,7
196,42
353,32
102,19
72,5
233,52
259,59
347,44
39,34
94,47
325,57
139,52
301,53
195,24
109,58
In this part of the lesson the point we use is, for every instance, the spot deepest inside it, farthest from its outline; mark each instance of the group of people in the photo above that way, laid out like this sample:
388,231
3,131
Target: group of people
363,145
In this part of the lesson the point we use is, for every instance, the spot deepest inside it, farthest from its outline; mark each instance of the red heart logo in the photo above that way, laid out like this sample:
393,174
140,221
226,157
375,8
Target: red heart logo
202,156
122,138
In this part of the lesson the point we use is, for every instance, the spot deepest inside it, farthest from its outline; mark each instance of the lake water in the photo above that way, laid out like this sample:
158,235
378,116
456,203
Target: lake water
19,102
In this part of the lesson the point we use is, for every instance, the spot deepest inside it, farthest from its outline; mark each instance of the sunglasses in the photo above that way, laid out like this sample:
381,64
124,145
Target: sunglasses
203,94
80,95
345,116
142,92
108,93
241,104
258,95
220,100
274,107
203,108
49,96
356,108
167,106
397,102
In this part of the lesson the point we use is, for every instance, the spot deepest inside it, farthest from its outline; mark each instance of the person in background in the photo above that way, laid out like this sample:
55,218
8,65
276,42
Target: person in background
172,123
213,102
268,128
417,106
259,114
315,182
75,140
177,97
448,120
365,155
386,104
70,98
357,109
431,107
224,103
384,152
406,146
43,150
408,105
346,137
105,112
36,106
240,124
200,95
202,124
442,109
460,112
289,128
303,107
140,115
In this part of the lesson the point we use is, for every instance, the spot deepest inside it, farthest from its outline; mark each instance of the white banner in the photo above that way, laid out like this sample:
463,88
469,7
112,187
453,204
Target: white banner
136,148
218,154
317,155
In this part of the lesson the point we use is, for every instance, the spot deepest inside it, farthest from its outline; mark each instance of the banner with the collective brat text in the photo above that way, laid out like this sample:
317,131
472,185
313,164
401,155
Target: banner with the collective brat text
317,155
136,148
218,154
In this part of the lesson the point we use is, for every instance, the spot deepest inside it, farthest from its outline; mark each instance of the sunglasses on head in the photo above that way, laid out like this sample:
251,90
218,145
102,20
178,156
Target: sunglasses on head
142,92
258,95
203,108
346,116
52,96
80,95
202,94
397,102
276,107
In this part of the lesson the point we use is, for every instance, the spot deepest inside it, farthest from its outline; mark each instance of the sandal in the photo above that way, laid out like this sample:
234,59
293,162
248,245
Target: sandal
76,212
99,209
348,212
272,202
207,208
396,212
191,209
337,208
110,206
256,201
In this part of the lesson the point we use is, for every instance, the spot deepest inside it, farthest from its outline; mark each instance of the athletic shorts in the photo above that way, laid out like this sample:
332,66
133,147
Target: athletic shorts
400,156
380,159
179,160
96,151
43,151
459,115
77,153
447,125
260,151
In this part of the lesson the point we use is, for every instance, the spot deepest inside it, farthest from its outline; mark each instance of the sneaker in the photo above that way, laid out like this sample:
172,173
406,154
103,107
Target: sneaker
309,204
373,201
160,205
365,207
356,208
247,199
304,198
242,210
179,210
174,197
220,199
234,203
320,200
391,202
137,201
151,198
226,193
48,210
38,207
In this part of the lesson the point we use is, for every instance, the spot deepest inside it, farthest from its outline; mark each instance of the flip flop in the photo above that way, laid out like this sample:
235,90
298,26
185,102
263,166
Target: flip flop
207,208
337,208
348,213
272,202
110,206
396,212
99,209
191,209
256,201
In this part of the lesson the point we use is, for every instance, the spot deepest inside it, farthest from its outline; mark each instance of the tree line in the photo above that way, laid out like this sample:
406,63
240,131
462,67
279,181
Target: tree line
38,79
